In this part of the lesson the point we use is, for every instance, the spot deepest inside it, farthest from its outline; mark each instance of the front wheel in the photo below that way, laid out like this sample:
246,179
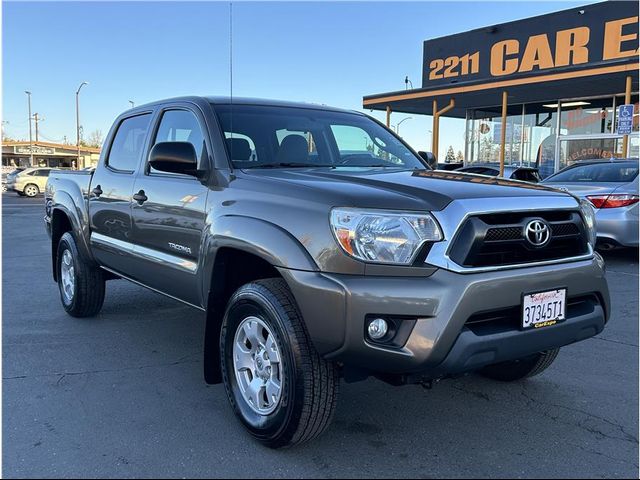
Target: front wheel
280,388
81,284
522,368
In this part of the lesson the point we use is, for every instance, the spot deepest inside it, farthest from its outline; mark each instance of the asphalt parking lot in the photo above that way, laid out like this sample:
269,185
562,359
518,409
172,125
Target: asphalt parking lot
122,395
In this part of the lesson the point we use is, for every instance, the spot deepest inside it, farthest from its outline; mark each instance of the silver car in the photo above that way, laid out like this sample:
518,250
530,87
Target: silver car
612,188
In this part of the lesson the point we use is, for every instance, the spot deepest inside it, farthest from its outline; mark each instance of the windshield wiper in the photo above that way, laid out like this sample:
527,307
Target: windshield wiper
292,165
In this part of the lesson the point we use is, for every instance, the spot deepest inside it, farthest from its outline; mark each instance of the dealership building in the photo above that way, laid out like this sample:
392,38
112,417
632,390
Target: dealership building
543,91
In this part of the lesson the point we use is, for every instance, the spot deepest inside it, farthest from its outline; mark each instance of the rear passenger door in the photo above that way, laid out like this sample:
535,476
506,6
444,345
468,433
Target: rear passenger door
168,225
110,193
40,177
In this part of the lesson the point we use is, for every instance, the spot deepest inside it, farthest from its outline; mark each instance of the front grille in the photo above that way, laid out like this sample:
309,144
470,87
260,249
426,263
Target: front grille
501,234
510,318
499,239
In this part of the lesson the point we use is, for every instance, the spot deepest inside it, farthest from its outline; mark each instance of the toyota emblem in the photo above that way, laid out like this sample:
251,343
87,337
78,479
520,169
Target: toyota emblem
537,233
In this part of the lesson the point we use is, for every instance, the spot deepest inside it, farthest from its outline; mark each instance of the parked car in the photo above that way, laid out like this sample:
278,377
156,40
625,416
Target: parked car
316,260
6,177
612,188
450,166
29,182
513,172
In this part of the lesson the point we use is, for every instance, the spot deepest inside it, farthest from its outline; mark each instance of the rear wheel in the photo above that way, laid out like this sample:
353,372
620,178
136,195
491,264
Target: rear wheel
279,387
31,190
521,368
81,284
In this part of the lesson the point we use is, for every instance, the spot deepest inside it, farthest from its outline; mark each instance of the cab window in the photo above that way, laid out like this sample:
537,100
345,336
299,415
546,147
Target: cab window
180,126
128,143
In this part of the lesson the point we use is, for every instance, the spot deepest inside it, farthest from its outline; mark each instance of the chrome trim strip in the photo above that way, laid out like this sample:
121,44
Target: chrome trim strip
454,215
152,289
145,253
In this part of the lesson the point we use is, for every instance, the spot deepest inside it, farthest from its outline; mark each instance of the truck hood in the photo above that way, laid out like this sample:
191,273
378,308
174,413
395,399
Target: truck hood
393,189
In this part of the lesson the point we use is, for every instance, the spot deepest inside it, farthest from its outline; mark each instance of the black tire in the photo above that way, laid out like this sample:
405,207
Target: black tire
88,281
33,188
522,368
310,384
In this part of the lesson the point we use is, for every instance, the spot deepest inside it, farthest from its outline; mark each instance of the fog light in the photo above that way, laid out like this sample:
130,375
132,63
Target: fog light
377,328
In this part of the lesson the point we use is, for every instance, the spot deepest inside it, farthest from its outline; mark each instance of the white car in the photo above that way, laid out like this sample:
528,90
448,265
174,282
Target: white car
29,182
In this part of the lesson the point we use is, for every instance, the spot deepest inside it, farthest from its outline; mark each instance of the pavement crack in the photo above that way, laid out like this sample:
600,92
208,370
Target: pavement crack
626,436
616,341
183,360
480,395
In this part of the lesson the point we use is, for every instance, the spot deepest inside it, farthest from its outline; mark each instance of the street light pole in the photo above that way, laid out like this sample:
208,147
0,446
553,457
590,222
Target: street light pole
132,104
30,134
398,125
78,121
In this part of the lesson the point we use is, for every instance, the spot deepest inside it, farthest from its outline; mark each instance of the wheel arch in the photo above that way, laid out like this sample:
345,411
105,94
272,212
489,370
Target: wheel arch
65,218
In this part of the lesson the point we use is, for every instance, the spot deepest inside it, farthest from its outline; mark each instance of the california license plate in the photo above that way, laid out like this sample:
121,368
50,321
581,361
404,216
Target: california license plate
544,309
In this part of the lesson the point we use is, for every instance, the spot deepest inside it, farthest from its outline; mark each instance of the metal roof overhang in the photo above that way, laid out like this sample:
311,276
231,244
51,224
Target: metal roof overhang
551,87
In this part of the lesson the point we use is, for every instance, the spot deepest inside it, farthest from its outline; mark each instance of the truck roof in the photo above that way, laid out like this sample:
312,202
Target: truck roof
226,100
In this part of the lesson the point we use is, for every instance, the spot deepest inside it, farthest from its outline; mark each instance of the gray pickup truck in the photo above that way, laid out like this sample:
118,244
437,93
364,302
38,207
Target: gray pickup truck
321,247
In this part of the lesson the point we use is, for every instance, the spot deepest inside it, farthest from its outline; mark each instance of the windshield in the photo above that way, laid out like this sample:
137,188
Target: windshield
597,172
280,137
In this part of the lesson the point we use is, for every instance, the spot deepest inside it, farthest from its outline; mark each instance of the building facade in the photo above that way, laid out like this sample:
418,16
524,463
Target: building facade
46,154
542,91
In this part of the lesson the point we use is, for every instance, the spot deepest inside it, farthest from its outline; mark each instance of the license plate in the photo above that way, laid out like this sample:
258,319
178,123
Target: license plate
544,309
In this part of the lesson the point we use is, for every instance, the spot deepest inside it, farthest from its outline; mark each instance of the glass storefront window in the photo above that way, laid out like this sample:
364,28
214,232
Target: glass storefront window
534,134
586,117
540,134
485,133
585,148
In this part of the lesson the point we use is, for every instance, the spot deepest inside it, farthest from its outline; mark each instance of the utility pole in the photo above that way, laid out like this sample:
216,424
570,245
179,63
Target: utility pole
37,119
78,122
30,137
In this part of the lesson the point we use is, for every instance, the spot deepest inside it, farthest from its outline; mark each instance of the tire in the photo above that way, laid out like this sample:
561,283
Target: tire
308,391
519,369
81,284
31,190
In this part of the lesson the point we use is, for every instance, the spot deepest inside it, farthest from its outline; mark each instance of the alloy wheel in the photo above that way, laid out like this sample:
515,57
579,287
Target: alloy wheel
258,366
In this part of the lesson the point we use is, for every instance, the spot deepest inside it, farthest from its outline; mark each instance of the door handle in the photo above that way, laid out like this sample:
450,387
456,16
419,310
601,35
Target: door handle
97,191
140,197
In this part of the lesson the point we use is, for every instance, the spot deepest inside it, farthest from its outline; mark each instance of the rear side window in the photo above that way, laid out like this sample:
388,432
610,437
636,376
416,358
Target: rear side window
42,173
526,175
128,143
597,172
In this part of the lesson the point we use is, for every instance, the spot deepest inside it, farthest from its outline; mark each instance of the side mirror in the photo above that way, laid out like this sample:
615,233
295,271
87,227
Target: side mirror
174,157
430,158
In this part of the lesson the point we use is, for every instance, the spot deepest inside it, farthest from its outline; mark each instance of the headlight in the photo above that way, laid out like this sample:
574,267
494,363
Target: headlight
383,236
589,217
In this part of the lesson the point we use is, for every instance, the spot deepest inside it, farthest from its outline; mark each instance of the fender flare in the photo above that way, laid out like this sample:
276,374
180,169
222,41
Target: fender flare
252,235
72,208
263,239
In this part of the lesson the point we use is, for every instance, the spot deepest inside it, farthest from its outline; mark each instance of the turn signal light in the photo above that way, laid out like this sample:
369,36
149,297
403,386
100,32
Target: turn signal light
612,201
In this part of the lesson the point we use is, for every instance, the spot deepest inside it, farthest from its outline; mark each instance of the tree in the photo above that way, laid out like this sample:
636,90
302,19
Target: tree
451,156
459,157
95,139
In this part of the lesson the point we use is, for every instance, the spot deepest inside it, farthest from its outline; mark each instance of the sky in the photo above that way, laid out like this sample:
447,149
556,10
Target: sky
332,53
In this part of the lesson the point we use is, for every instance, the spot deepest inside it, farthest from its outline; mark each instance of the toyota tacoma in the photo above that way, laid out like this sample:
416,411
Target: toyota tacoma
322,247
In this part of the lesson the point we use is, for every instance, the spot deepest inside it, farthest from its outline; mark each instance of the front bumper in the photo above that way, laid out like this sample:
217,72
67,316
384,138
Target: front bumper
335,306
